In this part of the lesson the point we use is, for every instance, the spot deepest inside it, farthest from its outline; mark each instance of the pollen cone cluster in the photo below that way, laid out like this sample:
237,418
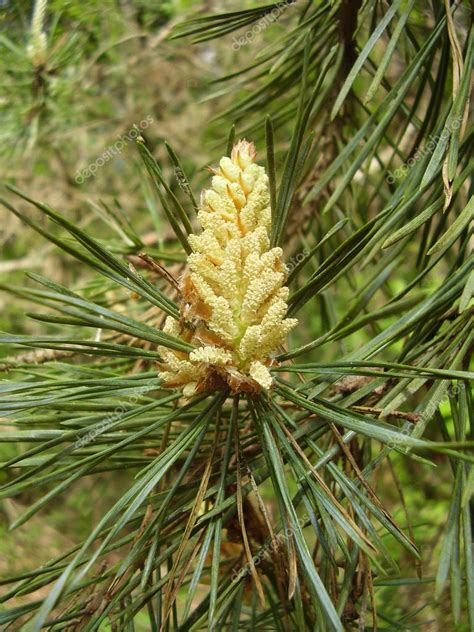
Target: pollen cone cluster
233,298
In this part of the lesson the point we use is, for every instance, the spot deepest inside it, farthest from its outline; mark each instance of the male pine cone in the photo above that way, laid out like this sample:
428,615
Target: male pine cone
233,298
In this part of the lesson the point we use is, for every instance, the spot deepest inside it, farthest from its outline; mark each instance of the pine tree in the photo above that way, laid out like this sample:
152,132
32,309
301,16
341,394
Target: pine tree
262,380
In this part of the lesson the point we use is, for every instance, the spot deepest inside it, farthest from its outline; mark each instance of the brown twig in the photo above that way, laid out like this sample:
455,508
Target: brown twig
156,267
412,417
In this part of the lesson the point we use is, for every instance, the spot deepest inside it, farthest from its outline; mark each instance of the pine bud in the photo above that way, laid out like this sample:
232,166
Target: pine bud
234,298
